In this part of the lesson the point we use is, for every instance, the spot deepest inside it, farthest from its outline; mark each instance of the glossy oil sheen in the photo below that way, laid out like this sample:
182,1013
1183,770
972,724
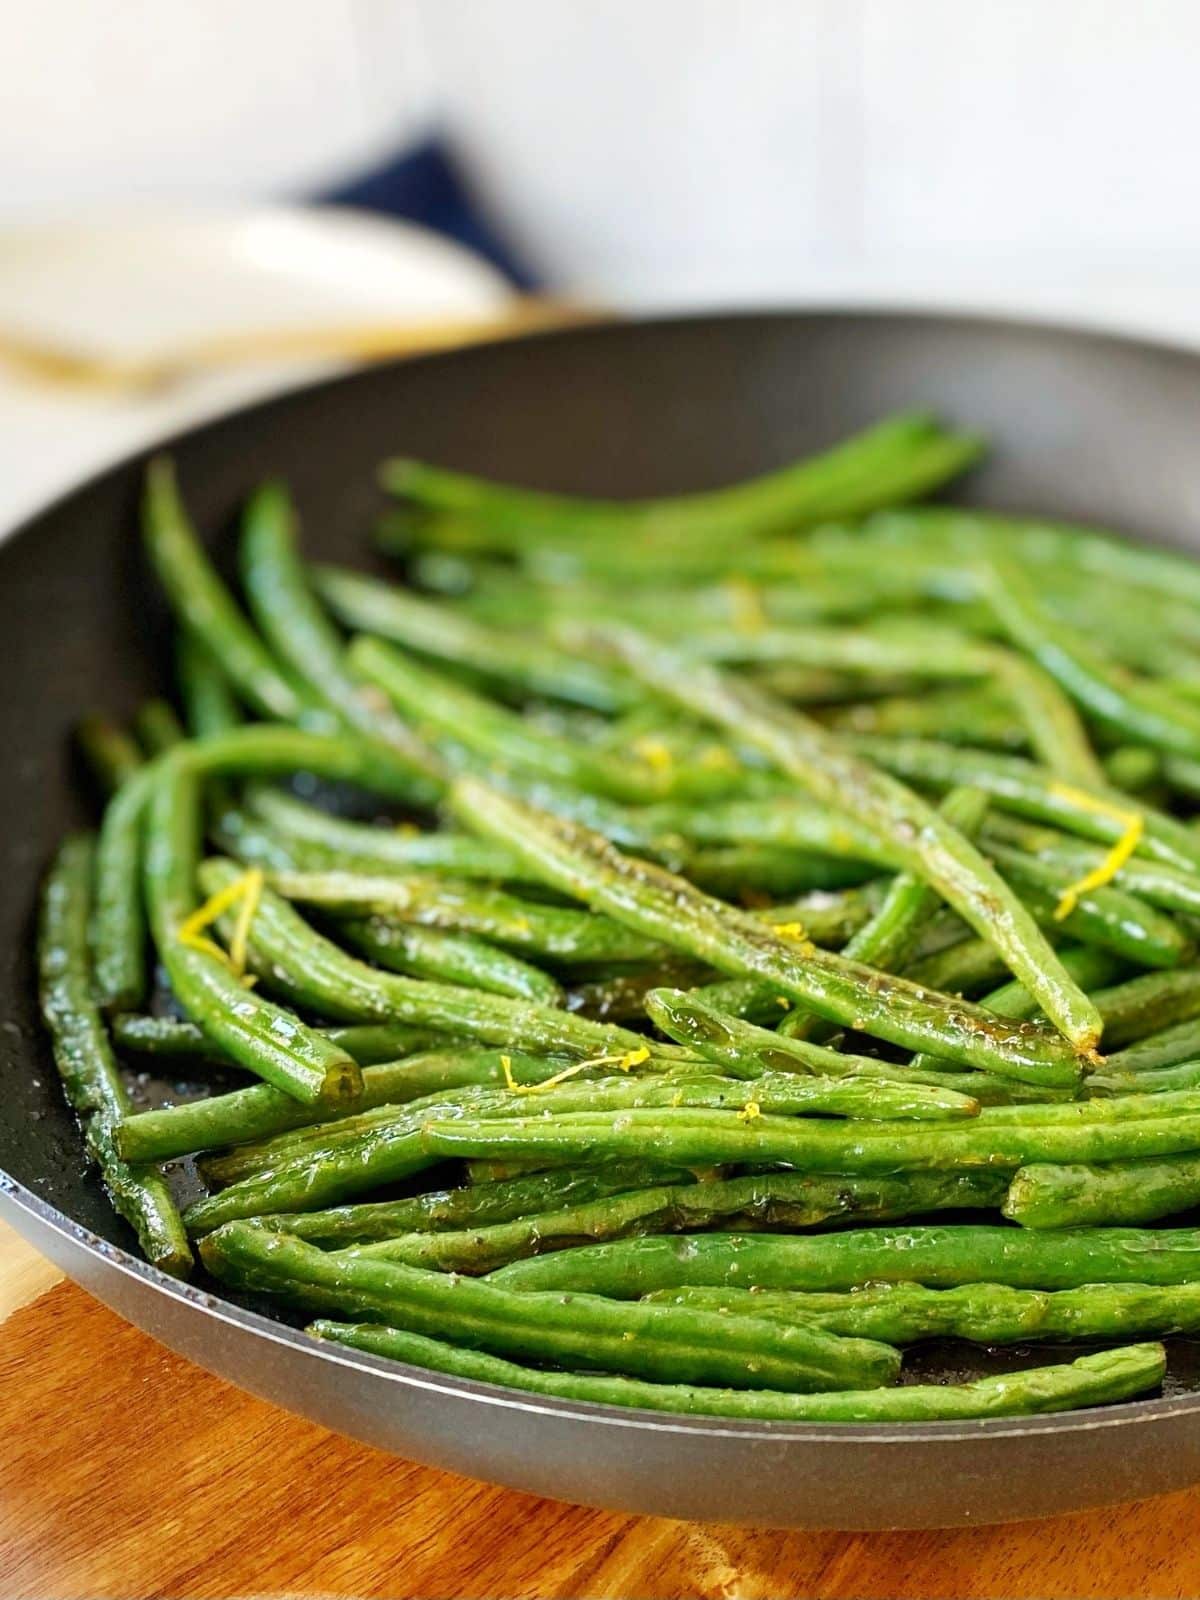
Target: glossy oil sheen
1083,426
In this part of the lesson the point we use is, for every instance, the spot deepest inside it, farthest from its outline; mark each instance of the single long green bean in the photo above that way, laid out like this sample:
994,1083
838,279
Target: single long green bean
111,754
1092,1380
658,903
365,605
685,1137
477,1205
896,460
986,1313
449,958
651,1341
202,602
936,1256
85,1062
785,1200
260,1111
209,703
744,1050
363,847
157,726
923,841
302,636
561,934
369,1043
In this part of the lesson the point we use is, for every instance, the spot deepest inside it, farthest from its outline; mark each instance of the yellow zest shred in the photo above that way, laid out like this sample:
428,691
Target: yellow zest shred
653,752
1133,825
246,914
749,1111
746,605
782,1001
790,930
625,1061
718,758
244,890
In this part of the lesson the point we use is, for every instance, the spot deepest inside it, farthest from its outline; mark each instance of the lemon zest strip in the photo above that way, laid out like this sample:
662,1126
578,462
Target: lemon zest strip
1133,825
748,614
626,1060
246,892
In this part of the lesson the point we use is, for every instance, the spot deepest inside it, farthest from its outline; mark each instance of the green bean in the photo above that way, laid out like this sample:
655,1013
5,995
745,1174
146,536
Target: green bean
1047,716
369,1043
661,905
449,958
557,933
119,919
1133,768
534,667
477,1205
1091,1380
968,967
258,1035
684,1137
986,1313
1088,965
890,938
1166,1047
936,1256
363,847
896,460
208,700
1081,1195
1160,1080
301,635
110,753
771,1200
203,604
311,971
651,1341
441,710
1148,1003
1016,785
923,841
260,1111
1141,712
973,716
85,1062
744,1050
731,871
157,726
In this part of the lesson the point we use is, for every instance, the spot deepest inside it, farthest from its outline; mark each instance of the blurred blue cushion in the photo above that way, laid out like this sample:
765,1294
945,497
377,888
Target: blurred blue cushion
422,185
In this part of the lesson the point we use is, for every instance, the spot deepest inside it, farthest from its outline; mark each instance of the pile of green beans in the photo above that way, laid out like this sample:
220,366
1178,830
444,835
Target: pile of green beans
757,930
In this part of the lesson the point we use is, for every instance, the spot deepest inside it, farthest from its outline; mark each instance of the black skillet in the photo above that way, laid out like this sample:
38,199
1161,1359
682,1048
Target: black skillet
1083,426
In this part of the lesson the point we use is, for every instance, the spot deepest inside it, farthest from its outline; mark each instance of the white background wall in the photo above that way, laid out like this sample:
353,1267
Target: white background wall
661,149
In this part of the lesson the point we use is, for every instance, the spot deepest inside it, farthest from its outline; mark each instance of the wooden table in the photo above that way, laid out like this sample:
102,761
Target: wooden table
126,1472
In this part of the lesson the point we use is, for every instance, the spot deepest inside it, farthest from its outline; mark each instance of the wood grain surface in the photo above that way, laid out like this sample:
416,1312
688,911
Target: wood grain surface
127,1473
